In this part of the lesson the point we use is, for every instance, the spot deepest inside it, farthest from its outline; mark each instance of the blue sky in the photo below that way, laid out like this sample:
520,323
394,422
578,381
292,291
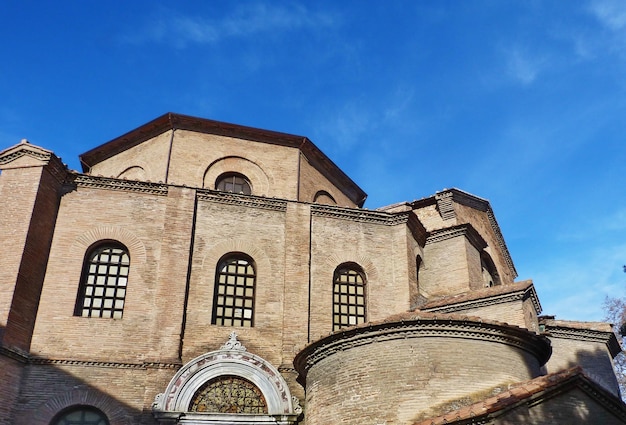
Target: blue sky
520,102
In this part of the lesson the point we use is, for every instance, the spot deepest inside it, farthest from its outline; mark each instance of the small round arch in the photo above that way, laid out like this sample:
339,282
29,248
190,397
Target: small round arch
80,415
323,197
233,182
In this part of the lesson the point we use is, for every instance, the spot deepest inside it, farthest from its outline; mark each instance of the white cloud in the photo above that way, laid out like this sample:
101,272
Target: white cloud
245,21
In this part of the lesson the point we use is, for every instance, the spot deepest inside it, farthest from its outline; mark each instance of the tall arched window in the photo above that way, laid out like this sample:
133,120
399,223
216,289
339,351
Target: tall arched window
489,271
81,415
235,282
103,282
233,182
348,296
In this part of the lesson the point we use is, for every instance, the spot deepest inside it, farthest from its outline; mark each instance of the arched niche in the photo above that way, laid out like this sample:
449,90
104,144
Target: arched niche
173,406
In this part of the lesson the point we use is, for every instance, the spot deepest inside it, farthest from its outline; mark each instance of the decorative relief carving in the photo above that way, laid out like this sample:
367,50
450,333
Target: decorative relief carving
295,401
233,343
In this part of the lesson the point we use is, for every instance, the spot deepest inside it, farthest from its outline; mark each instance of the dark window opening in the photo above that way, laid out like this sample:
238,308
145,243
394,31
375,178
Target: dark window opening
103,282
233,301
348,296
233,182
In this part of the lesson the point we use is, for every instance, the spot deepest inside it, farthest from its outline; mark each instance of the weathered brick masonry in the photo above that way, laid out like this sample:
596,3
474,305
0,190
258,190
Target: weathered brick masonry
331,313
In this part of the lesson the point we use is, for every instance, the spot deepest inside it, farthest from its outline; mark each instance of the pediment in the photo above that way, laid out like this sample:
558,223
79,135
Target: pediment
23,155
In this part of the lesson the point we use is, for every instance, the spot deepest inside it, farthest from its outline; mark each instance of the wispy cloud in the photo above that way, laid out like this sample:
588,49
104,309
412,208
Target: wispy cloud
522,65
611,13
588,279
246,21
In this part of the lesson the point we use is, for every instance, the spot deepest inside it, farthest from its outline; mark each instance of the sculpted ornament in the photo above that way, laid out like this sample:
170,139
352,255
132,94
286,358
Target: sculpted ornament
233,343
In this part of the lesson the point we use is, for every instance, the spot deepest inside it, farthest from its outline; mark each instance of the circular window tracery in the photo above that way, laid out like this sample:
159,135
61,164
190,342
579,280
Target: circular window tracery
229,394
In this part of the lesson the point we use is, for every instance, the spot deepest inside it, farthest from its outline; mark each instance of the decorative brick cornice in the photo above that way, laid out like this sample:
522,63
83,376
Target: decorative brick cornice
503,248
466,230
488,300
445,205
115,365
249,201
588,335
420,325
24,149
42,157
109,183
359,215
26,358
14,354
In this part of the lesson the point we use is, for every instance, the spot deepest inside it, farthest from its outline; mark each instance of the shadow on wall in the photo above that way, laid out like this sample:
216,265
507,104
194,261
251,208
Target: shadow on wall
598,366
36,391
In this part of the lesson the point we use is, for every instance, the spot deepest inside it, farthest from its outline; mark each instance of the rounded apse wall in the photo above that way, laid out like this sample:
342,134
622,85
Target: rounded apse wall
413,366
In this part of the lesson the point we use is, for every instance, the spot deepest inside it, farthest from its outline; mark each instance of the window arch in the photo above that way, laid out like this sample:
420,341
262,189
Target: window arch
80,415
103,282
323,197
348,296
233,182
235,283
489,271
229,394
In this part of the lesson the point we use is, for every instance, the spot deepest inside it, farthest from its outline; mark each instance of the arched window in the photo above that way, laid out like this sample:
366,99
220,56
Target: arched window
489,271
348,296
323,197
233,182
229,394
81,415
233,301
103,282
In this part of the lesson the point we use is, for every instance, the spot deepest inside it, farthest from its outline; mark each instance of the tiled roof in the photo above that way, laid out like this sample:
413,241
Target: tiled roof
519,393
478,294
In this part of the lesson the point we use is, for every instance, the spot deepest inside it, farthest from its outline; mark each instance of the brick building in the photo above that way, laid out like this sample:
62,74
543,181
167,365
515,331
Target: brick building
199,272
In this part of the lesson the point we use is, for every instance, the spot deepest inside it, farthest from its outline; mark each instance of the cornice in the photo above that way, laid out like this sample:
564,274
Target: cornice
14,354
49,160
24,149
109,183
419,327
466,230
249,201
445,204
358,215
173,121
34,360
487,301
588,335
115,365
